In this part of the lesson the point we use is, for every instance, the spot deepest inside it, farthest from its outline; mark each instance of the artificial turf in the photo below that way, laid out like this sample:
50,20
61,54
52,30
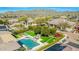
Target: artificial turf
47,39
29,33
44,39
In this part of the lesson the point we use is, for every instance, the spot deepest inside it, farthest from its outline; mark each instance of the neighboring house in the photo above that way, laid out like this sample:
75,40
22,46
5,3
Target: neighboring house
13,26
69,48
71,23
63,17
77,18
8,42
3,27
11,21
72,37
60,21
56,21
29,20
17,26
10,46
72,42
69,30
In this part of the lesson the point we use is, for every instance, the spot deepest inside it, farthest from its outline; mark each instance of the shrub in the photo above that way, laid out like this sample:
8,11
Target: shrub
45,31
37,30
53,30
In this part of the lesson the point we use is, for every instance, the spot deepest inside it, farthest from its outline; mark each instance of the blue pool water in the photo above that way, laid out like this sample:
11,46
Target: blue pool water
28,42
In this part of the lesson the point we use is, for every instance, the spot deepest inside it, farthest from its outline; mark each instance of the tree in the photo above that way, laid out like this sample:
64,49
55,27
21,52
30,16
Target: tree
45,31
30,27
19,31
53,30
6,22
1,22
37,29
20,28
63,26
23,18
41,20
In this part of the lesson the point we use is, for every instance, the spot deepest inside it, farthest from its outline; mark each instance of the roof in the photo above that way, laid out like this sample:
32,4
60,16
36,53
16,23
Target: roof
70,48
11,45
57,21
73,44
60,21
6,36
71,23
72,37
3,27
8,42
11,21
29,20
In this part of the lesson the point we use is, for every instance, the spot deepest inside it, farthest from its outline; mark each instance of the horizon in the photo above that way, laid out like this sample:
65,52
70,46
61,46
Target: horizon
58,9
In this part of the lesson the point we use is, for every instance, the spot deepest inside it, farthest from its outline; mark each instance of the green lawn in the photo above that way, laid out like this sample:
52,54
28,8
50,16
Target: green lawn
47,39
29,33
51,42
52,39
44,39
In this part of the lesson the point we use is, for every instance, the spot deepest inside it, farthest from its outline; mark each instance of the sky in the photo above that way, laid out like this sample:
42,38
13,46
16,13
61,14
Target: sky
60,9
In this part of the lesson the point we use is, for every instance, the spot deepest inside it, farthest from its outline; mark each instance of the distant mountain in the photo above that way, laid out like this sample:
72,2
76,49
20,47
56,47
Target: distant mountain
34,13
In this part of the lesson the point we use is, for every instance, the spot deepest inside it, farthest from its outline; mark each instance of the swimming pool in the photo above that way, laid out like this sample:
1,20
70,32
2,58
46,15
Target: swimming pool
28,42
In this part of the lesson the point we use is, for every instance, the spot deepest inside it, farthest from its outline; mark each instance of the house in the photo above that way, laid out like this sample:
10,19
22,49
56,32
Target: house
63,17
72,37
59,21
56,21
8,42
29,20
10,46
11,21
3,27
